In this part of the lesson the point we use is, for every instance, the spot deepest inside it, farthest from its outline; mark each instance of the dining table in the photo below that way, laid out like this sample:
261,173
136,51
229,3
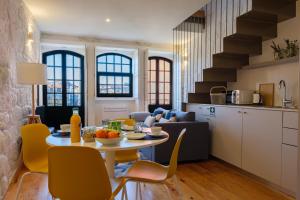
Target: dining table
109,150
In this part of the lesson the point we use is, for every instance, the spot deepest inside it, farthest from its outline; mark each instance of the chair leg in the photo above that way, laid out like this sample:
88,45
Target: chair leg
168,191
177,187
136,190
20,184
140,190
124,193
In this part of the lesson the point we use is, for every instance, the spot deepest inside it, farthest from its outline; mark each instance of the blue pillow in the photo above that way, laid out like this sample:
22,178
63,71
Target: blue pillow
158,111
170,114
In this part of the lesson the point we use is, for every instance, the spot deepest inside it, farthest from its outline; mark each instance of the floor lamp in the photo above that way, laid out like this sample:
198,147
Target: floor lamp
32,74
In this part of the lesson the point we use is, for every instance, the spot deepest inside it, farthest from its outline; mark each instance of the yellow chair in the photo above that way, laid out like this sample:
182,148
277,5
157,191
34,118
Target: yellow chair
127,155
79,173
34,150
151,172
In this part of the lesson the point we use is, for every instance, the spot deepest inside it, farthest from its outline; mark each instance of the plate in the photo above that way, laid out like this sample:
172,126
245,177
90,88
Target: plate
156,135
135,136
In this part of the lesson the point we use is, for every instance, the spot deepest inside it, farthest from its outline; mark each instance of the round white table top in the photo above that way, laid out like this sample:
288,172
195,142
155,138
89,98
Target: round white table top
125,144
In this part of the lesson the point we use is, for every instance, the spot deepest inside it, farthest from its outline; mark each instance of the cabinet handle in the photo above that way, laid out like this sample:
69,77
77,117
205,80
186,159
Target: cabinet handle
245,112
239,112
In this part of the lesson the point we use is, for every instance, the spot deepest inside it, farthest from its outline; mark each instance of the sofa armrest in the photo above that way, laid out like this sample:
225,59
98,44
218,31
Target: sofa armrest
139,116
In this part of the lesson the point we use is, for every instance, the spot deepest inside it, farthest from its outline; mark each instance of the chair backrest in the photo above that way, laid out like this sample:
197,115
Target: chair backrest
77,173
174,156
34,144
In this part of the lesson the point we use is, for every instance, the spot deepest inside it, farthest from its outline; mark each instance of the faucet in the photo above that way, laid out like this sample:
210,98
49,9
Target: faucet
285,101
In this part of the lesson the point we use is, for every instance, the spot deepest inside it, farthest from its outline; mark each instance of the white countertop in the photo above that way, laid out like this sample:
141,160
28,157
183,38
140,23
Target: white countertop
252,107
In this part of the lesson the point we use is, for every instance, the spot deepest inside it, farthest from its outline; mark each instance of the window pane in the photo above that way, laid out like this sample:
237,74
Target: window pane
58,99
125,60
50,72
77,74
161,101
118,89
58,87
110,80
50,60
153,98
167,101
110,59
118,68
153,65
102,59
50,87
167,66
126,80
103,89
69,61
70,86
153,75
118,59
153,87
126,68
77,100
58,61
70,98
167,76
161,65
76,62
161,88
101,67
110,68
161,76
125,89
58,71
50,99
103,80
167,87
77,87
118,80
110,89
69,73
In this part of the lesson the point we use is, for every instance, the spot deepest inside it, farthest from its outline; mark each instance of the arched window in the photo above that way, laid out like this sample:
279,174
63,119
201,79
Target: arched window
160,82
114,75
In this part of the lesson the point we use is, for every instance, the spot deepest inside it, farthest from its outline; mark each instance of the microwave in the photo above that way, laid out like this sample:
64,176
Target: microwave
242,97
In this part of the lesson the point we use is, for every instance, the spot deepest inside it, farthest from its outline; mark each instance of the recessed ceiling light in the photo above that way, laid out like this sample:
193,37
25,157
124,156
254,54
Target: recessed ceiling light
107,20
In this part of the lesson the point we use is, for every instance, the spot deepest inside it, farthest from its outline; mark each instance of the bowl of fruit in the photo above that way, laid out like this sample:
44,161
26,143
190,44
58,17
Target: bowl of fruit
108,136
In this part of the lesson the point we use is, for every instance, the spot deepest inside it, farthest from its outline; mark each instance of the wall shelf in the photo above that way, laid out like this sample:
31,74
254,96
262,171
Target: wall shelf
272,63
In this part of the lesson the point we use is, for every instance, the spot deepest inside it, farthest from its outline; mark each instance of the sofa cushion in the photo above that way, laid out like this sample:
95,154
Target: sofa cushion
170,114
185,116
158,111
149,121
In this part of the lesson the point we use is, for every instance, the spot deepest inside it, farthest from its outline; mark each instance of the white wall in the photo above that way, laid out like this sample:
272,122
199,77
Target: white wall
249,79
95,106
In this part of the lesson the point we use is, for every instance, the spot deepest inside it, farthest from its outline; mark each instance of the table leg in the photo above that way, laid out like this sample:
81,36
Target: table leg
110,163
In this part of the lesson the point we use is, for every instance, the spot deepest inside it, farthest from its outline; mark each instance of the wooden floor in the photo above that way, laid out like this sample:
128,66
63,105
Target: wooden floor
209,180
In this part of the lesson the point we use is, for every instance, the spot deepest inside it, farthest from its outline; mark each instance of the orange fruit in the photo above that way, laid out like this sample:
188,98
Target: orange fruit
113,134
101,133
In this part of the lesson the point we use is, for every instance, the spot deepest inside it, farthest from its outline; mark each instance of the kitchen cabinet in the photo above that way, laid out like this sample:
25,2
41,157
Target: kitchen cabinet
227,135
289,167
262,139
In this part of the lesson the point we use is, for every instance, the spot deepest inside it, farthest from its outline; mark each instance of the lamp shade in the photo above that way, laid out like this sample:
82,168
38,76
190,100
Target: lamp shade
31,73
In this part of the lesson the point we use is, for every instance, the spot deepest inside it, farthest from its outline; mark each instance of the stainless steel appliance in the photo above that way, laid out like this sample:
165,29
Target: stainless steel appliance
242,97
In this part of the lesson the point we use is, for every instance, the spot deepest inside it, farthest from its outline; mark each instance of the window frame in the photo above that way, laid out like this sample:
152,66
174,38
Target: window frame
157,59
114,74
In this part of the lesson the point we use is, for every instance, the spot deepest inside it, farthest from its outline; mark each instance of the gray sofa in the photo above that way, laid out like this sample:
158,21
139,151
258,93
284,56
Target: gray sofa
195,145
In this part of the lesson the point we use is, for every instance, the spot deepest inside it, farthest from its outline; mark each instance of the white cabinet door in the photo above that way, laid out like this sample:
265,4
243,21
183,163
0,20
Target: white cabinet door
289,167
262,138
227,135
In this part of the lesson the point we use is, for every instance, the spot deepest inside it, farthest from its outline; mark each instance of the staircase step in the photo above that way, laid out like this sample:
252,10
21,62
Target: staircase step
283,9
253,25
243,44
199,98
204,87
214,74
228,60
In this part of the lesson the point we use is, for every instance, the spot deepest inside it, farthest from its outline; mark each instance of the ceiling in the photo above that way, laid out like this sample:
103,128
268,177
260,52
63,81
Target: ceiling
131,20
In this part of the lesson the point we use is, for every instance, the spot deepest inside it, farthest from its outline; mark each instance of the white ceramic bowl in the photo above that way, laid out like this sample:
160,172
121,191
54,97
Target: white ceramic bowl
109,141
156,130
65,127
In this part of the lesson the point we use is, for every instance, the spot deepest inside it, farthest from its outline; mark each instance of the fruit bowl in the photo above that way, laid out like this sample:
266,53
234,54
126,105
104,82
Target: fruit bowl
109,141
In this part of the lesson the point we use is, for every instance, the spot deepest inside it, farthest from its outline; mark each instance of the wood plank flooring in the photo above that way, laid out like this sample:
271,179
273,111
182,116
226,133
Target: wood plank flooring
209,180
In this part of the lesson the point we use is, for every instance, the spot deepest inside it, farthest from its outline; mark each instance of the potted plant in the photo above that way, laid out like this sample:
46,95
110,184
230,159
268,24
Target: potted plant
292,48
277,51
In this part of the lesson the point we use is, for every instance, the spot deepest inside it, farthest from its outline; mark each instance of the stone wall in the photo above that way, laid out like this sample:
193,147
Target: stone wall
15,100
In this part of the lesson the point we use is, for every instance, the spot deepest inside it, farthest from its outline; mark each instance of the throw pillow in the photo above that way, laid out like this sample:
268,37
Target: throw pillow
163,120
172,119
158,111
158,117
149,121
170,114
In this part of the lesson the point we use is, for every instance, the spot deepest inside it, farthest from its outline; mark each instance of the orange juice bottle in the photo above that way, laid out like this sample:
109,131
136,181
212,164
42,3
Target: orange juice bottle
75,122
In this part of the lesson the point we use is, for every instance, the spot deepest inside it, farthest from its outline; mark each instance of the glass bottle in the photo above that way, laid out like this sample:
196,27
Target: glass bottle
75,122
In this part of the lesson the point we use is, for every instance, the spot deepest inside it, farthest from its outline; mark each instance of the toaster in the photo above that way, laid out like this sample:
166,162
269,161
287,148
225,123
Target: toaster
242,97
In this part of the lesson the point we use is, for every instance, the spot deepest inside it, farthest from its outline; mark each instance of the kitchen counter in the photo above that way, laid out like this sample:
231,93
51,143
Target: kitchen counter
259,107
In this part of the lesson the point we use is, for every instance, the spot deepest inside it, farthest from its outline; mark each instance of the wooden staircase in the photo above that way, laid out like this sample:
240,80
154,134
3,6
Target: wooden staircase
252,28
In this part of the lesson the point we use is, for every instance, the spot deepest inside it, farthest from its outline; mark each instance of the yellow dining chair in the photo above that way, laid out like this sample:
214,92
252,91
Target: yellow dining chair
151,172
34,150
127,155
79,173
